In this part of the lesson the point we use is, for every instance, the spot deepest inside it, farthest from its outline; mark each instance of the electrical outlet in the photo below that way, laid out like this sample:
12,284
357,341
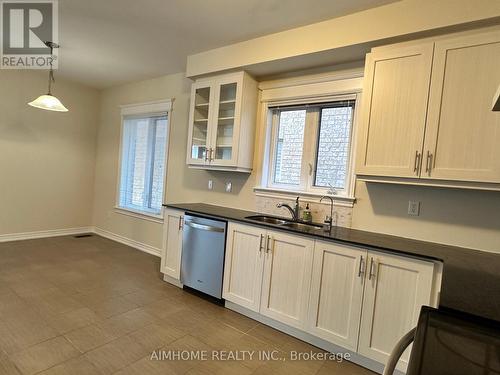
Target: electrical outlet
210,185
413,208
229,187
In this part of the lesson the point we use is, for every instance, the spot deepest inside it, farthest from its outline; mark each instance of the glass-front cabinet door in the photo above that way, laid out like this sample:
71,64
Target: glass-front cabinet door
201,113
226,121
222,117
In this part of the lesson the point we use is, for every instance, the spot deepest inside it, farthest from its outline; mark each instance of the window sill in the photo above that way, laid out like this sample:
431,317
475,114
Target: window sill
309,197
140,214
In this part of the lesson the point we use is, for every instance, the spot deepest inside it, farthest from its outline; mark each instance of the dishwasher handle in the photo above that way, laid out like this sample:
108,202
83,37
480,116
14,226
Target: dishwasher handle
209,228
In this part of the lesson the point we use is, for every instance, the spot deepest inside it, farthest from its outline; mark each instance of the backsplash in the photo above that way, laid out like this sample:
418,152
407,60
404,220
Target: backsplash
342,216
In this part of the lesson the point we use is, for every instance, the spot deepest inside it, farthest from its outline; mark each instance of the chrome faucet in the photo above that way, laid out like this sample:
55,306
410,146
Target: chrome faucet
293,211
329,219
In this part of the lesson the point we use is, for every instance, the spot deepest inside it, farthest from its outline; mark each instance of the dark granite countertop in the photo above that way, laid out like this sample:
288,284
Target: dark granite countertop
471,278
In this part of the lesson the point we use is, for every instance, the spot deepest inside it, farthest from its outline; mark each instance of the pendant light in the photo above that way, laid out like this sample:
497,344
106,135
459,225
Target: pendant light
49,102
496,101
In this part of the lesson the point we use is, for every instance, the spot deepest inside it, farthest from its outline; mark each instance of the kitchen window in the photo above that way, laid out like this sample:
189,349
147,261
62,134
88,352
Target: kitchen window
310,147
143,153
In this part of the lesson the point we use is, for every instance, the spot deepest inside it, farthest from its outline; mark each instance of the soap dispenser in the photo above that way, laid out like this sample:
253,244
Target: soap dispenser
306,215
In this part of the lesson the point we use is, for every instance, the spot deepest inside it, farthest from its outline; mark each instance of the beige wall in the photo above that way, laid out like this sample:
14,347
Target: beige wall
460,217
182,184
47,159
47,164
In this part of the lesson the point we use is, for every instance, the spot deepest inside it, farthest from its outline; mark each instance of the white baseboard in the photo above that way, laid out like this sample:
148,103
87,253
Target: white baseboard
44,234
128,241
74,231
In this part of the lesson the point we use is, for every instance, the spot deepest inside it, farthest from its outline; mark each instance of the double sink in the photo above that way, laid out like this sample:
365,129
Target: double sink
282,222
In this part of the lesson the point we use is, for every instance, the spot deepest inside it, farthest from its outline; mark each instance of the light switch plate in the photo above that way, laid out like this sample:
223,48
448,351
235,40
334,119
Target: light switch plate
210,185
229,187
413,208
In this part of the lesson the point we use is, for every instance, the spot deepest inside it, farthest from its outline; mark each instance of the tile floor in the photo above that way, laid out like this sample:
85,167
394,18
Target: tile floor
93,306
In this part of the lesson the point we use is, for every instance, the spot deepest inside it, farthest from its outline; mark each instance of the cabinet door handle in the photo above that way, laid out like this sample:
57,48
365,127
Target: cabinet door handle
211,154
361,263
372,269
268,246
181,222
207,151
428,163
261,244
416,165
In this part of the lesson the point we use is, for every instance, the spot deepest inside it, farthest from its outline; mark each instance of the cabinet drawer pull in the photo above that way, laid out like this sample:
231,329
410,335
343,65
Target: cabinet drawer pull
416,165
372,269
361,263
428,163
268,246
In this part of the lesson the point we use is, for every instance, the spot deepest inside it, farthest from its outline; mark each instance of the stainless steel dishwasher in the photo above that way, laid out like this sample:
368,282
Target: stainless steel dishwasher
203,247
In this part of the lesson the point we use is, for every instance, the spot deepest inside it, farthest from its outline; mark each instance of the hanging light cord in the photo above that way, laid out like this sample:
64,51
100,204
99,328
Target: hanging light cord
51,72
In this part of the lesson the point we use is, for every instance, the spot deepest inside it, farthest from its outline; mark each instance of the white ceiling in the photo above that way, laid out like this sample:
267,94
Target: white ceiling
109,42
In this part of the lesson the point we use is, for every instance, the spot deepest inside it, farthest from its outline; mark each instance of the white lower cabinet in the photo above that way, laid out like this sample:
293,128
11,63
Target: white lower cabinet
268,272
287,278
337,293
396,288
244,265
358,299
172,243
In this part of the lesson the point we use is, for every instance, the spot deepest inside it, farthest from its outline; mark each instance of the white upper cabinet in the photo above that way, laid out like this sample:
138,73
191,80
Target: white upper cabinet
202,99
287,278
427,114
222,123
394,109
463,135
243,266
396,288
337,293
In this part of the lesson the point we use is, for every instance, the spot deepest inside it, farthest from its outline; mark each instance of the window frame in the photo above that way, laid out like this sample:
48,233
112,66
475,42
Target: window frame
350,154
310,149
141,110
273,149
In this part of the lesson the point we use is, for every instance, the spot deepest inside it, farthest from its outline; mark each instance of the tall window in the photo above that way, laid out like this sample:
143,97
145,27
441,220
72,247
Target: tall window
144,141
310,147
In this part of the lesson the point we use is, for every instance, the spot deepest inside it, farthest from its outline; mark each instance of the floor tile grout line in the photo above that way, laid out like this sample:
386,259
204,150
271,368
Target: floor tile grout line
140,359
141,277
60,363
21,372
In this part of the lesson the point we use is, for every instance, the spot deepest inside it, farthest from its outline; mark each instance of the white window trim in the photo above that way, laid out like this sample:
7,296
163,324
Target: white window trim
309,152
143,215
332,87
153,108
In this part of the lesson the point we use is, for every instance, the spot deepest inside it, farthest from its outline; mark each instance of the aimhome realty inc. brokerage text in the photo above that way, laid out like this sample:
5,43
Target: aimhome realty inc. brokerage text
245,355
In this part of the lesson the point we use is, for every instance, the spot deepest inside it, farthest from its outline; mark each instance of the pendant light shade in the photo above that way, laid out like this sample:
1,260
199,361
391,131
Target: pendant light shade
49,102
496,101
